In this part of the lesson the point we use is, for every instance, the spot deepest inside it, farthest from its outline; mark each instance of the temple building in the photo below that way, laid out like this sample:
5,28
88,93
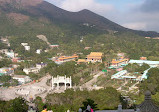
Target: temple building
66,58
56,81
80,61
95,57
119,62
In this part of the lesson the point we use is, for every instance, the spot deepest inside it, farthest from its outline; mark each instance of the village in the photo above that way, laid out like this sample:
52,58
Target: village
113,74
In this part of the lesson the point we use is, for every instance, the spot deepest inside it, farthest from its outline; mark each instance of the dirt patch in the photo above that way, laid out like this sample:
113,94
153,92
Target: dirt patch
44,20
18,18
29,2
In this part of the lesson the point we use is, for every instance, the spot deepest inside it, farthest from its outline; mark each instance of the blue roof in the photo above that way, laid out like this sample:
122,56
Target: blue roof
119,74
144,61
130,77
144,76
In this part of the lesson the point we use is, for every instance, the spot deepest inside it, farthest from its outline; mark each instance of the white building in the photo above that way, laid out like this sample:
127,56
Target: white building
4,51
38,51
10,54
29,70
24,44
27,48
41,65
22,79
61,80
141,62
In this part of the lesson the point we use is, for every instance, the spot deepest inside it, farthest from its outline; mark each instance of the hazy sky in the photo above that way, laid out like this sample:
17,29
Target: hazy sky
134,14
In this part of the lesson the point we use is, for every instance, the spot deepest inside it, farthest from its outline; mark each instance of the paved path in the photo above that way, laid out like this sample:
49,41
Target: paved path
89,84
9,93
122,85
133,86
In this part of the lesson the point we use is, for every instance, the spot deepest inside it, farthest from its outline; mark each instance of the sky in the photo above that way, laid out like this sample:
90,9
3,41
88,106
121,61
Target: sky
134,14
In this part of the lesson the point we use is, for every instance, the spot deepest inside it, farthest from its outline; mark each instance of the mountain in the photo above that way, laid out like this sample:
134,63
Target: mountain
21,10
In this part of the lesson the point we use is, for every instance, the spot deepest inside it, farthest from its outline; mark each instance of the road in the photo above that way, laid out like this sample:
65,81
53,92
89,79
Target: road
89,84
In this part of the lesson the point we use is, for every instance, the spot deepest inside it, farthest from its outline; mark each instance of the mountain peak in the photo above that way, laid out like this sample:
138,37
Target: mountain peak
42,8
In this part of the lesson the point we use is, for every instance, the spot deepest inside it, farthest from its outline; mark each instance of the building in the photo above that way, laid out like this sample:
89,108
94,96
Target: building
16,59
81,61
22,79
87,48
24,44
150,63
95,57
54,46
33,70
38,51
6,71
10,54
66,58
119,62
119,74
41,65
3,51
27,48
143,58
61,80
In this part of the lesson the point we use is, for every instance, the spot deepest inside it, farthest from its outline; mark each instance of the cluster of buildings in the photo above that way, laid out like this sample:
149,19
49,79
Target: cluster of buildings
5,41
92,57
11,55
36,69
10,72
119,63
22,79
123,74
8,53
6,71
27,48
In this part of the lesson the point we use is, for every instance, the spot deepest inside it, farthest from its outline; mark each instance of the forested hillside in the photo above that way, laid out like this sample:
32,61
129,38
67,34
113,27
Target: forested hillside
22,21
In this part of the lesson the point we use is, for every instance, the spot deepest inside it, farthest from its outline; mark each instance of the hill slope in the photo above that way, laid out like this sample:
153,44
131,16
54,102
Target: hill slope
49,12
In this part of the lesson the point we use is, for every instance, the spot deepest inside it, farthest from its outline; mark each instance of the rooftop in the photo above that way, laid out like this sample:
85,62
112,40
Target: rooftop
144,61
19,76
96,54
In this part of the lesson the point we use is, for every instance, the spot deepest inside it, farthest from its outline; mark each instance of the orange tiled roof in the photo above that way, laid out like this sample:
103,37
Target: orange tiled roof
95,54
115,61
68,57
81,60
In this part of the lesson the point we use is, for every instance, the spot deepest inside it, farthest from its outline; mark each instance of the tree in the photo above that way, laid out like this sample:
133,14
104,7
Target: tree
17,105
89,102
5,78
39,103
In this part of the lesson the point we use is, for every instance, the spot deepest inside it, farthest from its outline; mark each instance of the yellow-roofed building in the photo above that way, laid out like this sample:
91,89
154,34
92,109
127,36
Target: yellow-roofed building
95,57
119,62
81,61
67,58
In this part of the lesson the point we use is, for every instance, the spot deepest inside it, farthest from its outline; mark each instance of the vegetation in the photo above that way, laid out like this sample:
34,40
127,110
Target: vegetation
136,68
16,105
151,83
5,63
105,99
8,81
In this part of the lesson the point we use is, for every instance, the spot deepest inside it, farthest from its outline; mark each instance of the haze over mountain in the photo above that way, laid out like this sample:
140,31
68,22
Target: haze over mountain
21,11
